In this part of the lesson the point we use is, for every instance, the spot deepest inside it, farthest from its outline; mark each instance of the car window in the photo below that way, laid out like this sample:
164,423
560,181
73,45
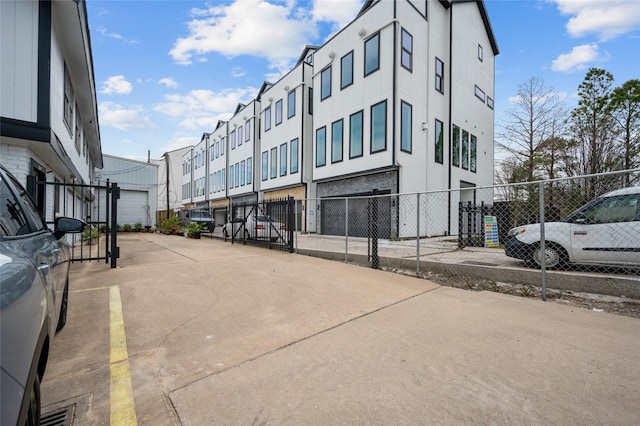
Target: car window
622,208
12,217
30,209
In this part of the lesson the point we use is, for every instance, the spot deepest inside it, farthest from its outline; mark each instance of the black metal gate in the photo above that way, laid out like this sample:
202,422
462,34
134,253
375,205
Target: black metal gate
268,223
471,223
95,204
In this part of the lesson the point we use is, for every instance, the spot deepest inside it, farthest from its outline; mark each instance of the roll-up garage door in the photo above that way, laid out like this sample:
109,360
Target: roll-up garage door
132,207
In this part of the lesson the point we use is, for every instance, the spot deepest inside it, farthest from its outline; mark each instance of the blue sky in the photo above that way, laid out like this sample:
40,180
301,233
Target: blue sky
166,71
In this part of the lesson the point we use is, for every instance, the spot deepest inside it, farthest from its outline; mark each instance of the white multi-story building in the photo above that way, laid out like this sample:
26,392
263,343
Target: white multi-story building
48,111
218,172
399,101
287,135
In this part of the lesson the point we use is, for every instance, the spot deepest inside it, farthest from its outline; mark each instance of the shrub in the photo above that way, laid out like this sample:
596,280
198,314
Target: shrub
126,227
170,226
89,234
194,228
137,227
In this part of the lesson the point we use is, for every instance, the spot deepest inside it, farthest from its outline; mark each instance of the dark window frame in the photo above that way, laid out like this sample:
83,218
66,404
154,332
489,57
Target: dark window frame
325,73
368,71
372,124
344,85
322,129
291,104
404,50
439,74
409,150
334,152
278,117
351,134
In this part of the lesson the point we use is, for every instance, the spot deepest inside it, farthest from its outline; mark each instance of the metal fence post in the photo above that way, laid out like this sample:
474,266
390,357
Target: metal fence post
417,234
115,250
375,260
543,266
346,230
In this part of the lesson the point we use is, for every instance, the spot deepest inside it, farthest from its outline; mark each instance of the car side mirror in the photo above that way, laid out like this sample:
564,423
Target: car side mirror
68,225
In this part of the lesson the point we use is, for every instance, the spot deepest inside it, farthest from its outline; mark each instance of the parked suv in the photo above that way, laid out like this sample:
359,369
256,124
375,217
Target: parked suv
34,292
606,231
259,227
202,217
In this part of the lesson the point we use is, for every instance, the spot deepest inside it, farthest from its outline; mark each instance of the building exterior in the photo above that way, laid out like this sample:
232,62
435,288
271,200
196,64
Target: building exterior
138,183
399,101
48,110
169,183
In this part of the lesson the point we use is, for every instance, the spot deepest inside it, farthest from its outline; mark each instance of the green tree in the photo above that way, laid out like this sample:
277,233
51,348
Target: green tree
625,110
594,128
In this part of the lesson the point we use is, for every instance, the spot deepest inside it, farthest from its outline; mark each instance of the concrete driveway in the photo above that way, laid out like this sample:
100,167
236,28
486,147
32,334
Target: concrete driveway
200,332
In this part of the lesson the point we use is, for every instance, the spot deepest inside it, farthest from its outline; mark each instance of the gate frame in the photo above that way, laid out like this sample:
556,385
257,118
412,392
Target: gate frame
111,196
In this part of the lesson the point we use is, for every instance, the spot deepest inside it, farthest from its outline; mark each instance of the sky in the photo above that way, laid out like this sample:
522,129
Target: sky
167,70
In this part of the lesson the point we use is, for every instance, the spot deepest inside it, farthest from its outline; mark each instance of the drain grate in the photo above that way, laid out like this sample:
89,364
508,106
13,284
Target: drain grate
60,417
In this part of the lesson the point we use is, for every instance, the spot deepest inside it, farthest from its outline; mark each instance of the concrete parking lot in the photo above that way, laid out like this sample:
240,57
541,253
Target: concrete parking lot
196,332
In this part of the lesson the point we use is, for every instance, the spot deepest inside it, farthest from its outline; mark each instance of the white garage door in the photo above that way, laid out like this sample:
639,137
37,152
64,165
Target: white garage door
132,207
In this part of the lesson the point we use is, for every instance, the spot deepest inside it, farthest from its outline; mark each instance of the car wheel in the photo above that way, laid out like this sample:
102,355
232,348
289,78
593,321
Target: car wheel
33,413
62,319
554,256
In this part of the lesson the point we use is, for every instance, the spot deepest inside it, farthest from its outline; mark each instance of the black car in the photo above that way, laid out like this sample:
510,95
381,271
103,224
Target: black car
34,291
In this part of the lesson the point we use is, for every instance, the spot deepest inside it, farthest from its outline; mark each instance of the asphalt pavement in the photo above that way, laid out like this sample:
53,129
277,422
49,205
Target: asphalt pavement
215,333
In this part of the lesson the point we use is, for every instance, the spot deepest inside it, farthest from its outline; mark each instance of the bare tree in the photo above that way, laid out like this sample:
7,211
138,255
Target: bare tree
536,116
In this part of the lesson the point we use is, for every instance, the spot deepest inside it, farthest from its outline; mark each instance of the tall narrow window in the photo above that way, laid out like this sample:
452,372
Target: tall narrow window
291,104
242,173
247,131
78,138
237,174
379,127
231,176
465,149
473,153
249,170
283,159
233,139
439,75
274,163
325,83
406,119
279,112
355,134
293,162
439,143
240,137
224,179
265,165
372,54
68,100
267,119
480,53
407,50
455,149
222,144
310,101
346,70
321,147
336,141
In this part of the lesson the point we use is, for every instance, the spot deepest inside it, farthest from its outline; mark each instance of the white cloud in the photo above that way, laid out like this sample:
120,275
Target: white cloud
116,85
340,13
238,72
578,59
103,31
169,82
123,117
179,142
276,31
605,18
203,108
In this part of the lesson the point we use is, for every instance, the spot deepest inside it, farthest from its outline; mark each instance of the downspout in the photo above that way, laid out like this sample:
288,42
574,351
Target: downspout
450,118
166,161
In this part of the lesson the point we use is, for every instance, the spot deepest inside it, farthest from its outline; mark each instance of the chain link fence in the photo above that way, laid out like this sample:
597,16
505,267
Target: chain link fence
572,226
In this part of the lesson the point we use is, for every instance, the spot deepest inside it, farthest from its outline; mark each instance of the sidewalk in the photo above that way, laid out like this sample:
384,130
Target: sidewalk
232,334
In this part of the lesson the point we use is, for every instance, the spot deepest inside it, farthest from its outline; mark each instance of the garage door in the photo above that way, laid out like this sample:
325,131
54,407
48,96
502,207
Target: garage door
132,207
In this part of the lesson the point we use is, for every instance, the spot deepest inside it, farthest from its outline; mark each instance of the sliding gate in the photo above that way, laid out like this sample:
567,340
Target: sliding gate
97,205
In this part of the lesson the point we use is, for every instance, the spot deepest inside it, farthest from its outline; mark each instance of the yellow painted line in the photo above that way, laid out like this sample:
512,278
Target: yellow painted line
123,412
90,289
